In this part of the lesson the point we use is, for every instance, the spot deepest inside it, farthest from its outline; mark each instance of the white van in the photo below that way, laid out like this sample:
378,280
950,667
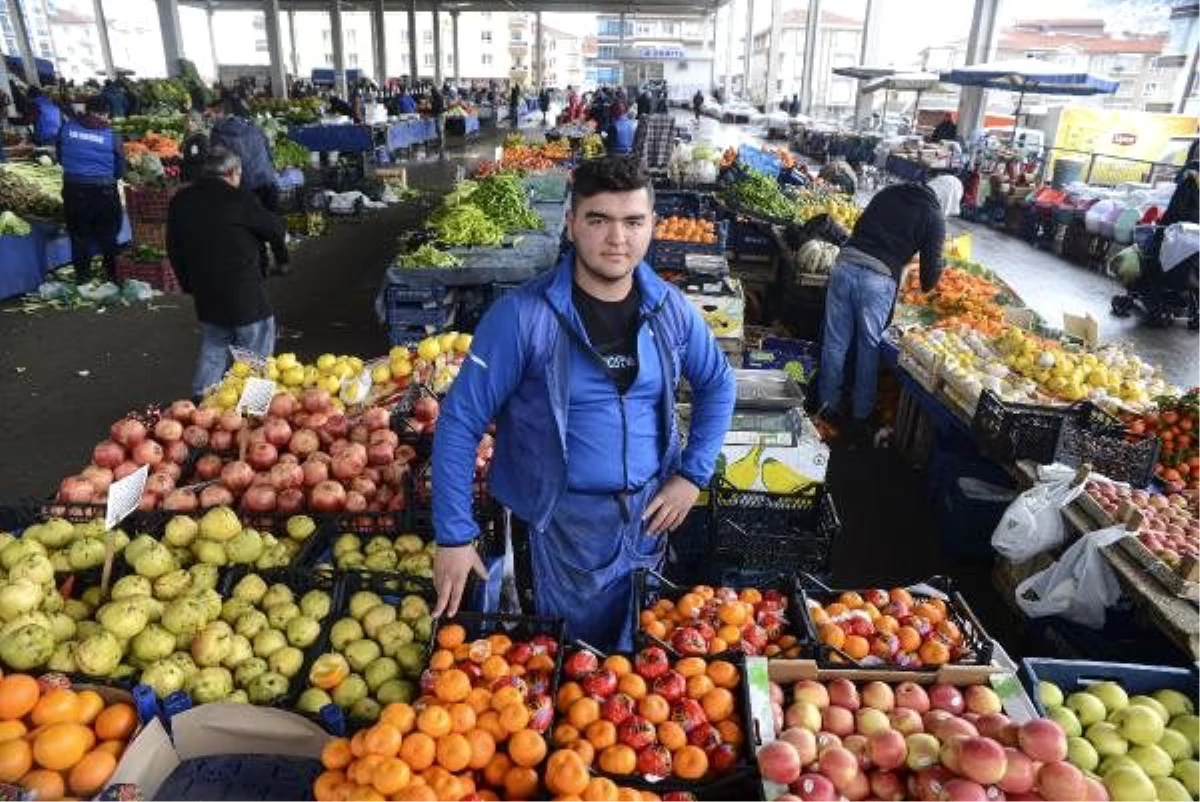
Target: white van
1030,139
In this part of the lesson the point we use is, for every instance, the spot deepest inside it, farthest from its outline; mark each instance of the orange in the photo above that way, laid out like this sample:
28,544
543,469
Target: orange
88,706
441,660
499,642
818,615
434,721
910,639
851,599
44,784
734,613
114,748
656,629
483,747
601,733
489,722
91,773
16,759
717,645
887,625
618,759
508,695
934,653
691,667
401,715
452,685
11,729
61,746
671,735
453,752
514,717
496,770
362,771
383,739
654,709
480,699
527,748
856,647
327,787
628,794
566,773
462,717
689,605
690,763
416,792
950,630
583,747
418,750
494,667
451,635
724,674
358,744
115,721
729,633
521,782
929,612
391,775
634,685
836,609
699,685
568,692
365,793
618,664
56,706
583,712
717,704
540,662
565,735
832,635
18,695
600,789
730,732
900,595
336,754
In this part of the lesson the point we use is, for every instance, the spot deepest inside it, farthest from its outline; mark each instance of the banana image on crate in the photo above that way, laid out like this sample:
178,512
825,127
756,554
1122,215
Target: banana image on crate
780,478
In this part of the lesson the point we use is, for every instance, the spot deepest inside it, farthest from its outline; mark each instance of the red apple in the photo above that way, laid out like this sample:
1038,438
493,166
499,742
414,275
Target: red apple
982,760
1043,740
878,695
839,765
813,787
807,690
803,741
838,720
888,749
1020,773
906,721
948,698
843,694
1060,780
912,696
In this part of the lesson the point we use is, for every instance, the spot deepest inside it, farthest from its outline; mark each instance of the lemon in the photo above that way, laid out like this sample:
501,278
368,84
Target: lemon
462,343
398,352
446,341
338,405
429,348
355,364
325,362
227,398
285,361
343,370
330,384
293,376
381,374
400,368
311,375
241,369
272,372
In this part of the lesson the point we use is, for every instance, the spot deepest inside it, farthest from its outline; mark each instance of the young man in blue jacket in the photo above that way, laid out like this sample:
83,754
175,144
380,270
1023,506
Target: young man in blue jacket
92,156
578,368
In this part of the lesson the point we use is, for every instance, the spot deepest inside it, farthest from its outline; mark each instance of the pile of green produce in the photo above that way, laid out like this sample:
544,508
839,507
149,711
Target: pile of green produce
504,199
465,225
407,554
295,111
592,146
757,194
289,154
163,96
427,256
147,254
10,224
31,189
141,124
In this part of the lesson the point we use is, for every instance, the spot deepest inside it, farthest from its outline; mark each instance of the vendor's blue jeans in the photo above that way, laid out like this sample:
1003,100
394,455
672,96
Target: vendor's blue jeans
214,349
857,305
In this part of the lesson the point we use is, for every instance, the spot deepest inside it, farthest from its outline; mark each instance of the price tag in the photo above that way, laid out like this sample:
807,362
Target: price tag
355,389
249,357
124,495
256,396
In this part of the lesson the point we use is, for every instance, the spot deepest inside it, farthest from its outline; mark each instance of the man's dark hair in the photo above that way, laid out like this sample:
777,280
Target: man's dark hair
610,174
97,105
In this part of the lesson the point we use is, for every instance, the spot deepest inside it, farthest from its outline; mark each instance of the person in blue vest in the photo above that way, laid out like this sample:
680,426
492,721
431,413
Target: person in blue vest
578,368
92,156
406,104
114,96
621,132
45,117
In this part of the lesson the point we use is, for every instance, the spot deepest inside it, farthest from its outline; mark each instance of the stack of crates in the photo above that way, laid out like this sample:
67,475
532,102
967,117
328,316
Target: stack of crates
413,313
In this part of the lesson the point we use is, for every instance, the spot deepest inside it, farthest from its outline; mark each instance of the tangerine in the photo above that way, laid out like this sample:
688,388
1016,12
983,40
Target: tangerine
618,664
494,667
16,759
856,647
383,739
521,782
733,613
583,747
671,735
450,636
391,775
514,717
60,746
401,715
462,717
496,769
44,784
527,748
500,643
618,759
600,789
336,754
724,674
326,788
717,704
12,729
114,748
910,639
441,660
505,696
88,706
565,735
454,752
416,791
566,773
934,653
584,711
361,771
57,706
689,606
434,721
19,693
479,699
489,722
901,596
730,732
358,745
699,685
567,692
601,734
540,662
832,635
929,612
654,708
689,763
633,685
483,747
452,685
418,750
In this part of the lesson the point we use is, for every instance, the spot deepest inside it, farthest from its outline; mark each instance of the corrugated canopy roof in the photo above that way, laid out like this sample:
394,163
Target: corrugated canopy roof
697,8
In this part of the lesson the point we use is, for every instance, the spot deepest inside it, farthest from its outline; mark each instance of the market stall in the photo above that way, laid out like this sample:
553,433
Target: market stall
347,137
407,132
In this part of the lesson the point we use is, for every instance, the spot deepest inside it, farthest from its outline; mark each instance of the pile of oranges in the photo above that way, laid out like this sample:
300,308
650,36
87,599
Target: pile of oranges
889,626
708,620
476,731
56,742
686,229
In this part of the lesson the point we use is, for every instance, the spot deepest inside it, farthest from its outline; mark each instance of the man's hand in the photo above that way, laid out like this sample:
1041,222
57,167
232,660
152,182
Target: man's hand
670,505
451,567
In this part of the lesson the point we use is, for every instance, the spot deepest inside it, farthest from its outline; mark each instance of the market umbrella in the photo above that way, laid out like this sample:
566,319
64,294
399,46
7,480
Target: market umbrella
1030,75
865,72
919,82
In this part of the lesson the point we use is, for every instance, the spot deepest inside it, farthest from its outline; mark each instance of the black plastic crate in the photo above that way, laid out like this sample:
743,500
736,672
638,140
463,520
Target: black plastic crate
783,532
326,559
672,254
242,777
1009,432
977,645
683,204
436,313
405,294
1109,449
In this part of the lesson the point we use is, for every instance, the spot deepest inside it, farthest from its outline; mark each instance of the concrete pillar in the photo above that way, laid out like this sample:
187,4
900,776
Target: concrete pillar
105,45
981,45
729,51
212,42
773,51
24,45
620,47
437,46
1179,103
279,85
379,37
292,40
812,24
712,52
539,51
339,50
454,43
413,66
746,50
172,36
868,54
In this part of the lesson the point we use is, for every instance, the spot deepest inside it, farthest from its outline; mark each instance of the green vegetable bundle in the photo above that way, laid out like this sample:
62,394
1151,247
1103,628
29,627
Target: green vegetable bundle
29,189
428,256
504,199
465,225
11,224
757,194
290,154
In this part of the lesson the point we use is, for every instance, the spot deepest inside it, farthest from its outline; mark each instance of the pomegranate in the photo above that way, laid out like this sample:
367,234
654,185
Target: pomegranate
180,500
336,426
259,498
381,454
277,431
328,496
426,409
315,472
221,440
182,411
405,453
148,452
237,476
355,502
262,456
128,432
204,417
377,418
168,430
359,433
208,467
304,442
108,454
76,490
283,405
215,496
345,467
383,436
99,478
290,501
285,475
196,436
177,452
148,501
316,420
314,399
160,483
230,421
171,469
363,485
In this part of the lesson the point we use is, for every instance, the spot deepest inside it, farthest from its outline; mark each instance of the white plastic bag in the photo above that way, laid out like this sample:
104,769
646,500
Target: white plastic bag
1079,586
1033,522
1180,240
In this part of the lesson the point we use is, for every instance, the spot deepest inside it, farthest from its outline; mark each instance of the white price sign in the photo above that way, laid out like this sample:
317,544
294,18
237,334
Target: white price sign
249,357
124,496
256,396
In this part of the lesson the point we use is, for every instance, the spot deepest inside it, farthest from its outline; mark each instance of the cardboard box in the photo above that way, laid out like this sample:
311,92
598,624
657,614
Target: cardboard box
721,302
787,437
214,730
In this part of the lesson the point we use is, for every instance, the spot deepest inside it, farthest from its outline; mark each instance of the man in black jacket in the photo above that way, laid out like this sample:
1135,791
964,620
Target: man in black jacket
899,222
213,234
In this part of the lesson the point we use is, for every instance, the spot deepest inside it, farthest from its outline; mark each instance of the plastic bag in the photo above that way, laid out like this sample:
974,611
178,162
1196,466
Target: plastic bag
99,291
1180,240
1033,522
1079,586
137,290
50,290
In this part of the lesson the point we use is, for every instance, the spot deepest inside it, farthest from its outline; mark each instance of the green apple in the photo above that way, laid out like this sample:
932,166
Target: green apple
1129,784
286,661
344,632
1188,773
1153,704
1082,754
1175,744
1111,694
1189,725
361,652
1113,762
1153,760
303,631
1139,724
349,691
1170,790
1107,738
396,690
312,700
376,618
365,709
362,601
1087,708
1066,718
1176,703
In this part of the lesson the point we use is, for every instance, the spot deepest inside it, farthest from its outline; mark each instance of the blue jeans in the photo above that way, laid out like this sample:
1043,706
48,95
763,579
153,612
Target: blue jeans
857,306
214,349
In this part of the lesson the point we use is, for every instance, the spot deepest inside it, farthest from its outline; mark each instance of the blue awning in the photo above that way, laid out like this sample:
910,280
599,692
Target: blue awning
45,68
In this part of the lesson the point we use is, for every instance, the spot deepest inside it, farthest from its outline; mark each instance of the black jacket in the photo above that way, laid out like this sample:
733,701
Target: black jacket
213,236
901,220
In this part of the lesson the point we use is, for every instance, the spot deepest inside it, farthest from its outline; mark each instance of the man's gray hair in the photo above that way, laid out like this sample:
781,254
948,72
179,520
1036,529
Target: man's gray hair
221,162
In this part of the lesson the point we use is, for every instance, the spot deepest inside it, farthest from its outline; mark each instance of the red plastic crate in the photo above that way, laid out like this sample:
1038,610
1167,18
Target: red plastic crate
159,275
149,204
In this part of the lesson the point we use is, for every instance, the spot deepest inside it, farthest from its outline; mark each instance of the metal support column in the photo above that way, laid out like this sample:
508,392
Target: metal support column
620,49
868,53
105,45
16,18
413,66
212,41
339,50
437,45
746,50
712,50
292,40
379,38
279,87
812,25
172,36
1187,85
773,51
980,46
729,52
539,54
454,45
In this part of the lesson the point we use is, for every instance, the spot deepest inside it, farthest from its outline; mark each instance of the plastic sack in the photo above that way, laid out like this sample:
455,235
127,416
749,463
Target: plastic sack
137,290
1079,586
1180,240
1126,265
50,290
99,291
1125,223
1033,522
1099,210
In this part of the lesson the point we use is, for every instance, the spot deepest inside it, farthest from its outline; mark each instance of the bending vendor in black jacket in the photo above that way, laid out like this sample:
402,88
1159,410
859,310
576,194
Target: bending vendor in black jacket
900,221
214,230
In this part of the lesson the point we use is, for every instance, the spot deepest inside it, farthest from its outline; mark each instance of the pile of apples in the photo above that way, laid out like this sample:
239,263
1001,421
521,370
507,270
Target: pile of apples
906,741
707,621
1170,527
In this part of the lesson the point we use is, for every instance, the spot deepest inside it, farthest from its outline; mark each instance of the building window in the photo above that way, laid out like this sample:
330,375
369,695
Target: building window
325,36
353,59
485,59
351,37
486,36
427,36
428,60
1149,89
644,29
260,45
608,52
668,28
449,59
329,58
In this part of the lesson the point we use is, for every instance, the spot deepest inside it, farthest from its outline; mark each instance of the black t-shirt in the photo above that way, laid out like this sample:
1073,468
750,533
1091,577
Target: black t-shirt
612,327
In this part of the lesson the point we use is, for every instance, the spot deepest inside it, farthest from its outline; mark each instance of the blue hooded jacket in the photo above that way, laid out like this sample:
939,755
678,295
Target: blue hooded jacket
518,373
47,120
250,144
